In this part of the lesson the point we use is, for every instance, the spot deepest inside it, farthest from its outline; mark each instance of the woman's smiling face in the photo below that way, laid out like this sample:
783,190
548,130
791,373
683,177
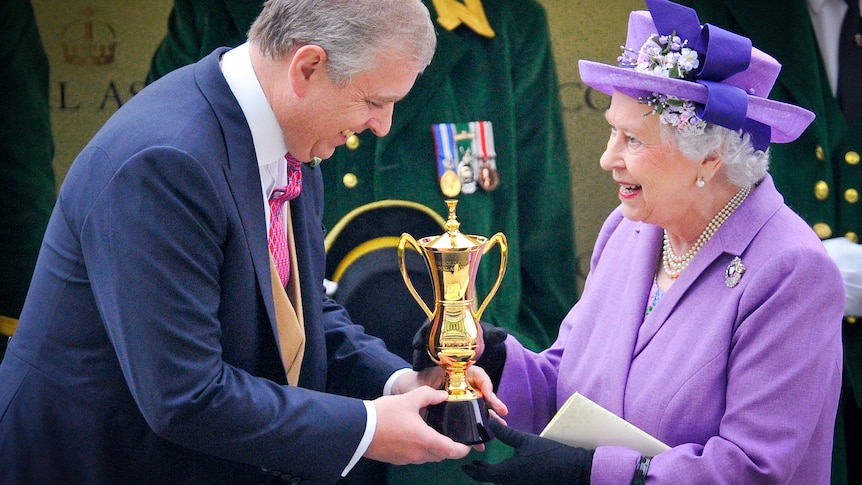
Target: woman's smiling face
656,182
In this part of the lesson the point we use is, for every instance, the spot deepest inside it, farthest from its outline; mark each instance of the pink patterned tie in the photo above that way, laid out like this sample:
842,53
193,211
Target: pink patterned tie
277,235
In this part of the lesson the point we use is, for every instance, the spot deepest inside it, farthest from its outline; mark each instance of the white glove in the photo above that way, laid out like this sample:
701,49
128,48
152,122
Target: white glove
848,256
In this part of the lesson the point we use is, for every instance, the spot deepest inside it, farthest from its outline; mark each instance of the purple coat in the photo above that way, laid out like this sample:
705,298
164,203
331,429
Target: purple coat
741,382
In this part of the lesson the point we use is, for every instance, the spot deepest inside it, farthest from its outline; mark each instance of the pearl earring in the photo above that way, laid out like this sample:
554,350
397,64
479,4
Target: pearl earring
700,183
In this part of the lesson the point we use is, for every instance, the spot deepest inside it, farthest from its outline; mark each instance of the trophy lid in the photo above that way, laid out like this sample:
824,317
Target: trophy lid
453,238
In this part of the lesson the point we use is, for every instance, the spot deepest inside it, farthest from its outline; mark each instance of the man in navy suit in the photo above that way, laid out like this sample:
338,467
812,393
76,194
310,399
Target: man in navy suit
147,350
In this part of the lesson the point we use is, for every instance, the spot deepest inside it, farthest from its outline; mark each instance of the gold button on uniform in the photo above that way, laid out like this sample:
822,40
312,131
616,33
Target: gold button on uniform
851,196
822,230
819,153
821,190
352,142
852,236
851,157
349,180
851,320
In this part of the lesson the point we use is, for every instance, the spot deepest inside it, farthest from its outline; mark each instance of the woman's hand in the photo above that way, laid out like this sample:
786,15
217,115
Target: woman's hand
536,461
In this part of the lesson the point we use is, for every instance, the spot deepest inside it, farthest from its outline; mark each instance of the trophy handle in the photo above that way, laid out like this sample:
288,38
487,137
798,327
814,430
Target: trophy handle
408,240
499,239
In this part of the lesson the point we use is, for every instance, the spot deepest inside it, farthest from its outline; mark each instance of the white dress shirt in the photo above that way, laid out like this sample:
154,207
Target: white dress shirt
826,17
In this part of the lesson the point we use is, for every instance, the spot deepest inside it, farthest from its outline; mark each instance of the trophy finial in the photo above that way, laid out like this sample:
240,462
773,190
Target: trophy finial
452,223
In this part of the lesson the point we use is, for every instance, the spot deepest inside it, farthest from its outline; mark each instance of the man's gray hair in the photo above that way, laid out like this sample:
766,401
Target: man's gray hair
352,32
744,164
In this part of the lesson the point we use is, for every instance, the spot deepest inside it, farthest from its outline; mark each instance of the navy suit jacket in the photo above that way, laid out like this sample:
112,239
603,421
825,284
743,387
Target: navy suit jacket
145,351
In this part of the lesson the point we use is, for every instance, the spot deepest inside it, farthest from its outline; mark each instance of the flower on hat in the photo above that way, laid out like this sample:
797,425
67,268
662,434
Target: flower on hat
676,112
667,56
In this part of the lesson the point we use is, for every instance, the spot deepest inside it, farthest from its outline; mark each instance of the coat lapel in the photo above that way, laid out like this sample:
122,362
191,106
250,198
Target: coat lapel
241,170
705,270
612,336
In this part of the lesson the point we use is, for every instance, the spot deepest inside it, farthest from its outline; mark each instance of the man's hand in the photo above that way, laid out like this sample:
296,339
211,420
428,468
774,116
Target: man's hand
433,377
402,437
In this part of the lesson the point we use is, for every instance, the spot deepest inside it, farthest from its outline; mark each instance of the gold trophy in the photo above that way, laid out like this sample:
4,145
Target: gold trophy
455,337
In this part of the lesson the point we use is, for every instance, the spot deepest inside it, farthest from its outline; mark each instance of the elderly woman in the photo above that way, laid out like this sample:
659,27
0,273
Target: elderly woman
712,313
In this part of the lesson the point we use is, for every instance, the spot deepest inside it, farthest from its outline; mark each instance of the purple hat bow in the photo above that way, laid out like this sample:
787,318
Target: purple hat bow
723,54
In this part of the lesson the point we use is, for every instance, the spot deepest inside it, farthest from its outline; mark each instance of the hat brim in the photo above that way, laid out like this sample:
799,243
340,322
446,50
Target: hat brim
786,121
377,223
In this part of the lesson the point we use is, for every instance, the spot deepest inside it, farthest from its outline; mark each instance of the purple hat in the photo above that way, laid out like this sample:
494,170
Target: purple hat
692,74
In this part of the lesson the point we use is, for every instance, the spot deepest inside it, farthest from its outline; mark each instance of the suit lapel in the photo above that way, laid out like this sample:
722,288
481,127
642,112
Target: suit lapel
240,169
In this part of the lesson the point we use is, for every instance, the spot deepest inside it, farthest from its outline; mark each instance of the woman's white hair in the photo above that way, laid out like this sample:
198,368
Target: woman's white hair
354,33
744,164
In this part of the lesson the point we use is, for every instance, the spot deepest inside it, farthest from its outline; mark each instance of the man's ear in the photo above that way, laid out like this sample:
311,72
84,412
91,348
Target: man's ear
306,66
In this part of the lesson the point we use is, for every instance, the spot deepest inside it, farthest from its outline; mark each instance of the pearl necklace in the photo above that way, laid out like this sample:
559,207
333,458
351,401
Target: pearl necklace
673,264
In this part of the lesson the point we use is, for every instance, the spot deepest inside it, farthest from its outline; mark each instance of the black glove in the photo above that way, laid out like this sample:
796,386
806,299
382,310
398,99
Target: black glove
536,460
492,358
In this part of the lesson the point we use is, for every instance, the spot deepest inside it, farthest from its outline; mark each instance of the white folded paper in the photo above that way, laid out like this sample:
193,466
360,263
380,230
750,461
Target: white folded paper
582,423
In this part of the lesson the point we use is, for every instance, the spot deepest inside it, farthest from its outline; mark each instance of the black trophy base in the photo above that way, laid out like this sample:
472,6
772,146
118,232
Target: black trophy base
462,421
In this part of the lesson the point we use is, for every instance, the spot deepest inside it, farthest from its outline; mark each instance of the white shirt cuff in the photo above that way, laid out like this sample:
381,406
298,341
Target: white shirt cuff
365,442
387,389
371,423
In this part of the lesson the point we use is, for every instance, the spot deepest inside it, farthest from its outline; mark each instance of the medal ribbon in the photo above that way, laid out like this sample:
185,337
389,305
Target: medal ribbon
467,164
444,141
486,135
485,155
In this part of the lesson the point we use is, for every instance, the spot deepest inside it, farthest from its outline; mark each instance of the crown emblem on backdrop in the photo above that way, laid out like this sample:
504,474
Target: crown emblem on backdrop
88,42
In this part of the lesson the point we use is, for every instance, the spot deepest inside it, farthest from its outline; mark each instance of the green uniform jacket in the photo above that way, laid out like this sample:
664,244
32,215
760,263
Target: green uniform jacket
509,80
819,174
26,152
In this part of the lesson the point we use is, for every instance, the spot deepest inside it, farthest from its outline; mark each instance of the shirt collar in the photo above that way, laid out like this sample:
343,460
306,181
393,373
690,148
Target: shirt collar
816,5
265,131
